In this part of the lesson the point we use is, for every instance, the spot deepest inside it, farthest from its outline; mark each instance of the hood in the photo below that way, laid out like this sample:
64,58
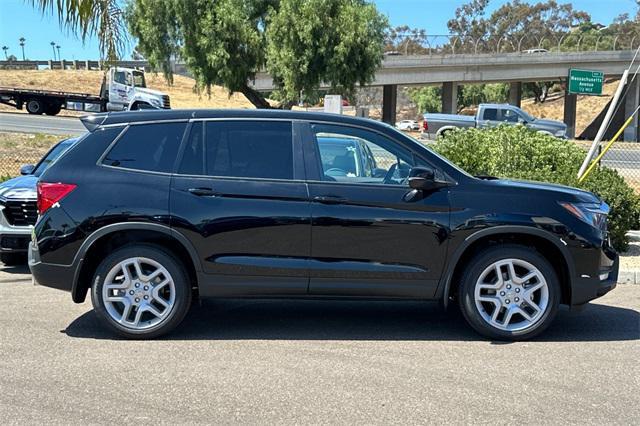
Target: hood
21,188
562,192
148,91
550,123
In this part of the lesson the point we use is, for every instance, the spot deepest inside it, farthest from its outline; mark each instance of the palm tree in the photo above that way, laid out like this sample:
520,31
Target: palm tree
103,18
53,47
58,49
5,48
22,40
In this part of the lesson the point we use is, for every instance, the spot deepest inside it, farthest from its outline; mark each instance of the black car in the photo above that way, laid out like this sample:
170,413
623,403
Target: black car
18,210
151,208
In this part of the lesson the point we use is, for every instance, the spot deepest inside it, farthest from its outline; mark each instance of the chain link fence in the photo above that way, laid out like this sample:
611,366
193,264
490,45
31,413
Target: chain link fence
17,149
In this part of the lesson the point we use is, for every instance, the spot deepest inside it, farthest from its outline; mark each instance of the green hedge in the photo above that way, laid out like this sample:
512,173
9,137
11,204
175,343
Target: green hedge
520,153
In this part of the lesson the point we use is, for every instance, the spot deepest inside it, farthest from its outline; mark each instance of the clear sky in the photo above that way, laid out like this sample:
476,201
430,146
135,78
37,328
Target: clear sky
19,19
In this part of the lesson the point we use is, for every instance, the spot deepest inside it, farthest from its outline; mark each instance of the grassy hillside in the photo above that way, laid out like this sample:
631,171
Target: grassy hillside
181,92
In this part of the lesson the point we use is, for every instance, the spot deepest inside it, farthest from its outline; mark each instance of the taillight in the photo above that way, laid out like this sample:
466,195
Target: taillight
425,125
51,193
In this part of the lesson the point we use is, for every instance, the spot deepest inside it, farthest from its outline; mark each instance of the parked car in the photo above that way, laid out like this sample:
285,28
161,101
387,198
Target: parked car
408,125
18,210
537,50
490,115
152,208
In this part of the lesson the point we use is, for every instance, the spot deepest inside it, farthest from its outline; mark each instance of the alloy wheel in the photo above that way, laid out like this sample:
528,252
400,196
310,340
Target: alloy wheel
511,295
138,293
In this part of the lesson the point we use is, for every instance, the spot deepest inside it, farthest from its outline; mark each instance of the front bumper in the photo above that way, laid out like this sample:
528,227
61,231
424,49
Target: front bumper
13,239
591,287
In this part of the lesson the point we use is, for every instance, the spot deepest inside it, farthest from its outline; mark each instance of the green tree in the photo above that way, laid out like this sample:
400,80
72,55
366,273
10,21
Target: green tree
102,18
514,23
427,99
301,44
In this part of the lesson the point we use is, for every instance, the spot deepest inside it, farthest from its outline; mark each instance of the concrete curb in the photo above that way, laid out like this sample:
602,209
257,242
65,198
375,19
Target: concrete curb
629,277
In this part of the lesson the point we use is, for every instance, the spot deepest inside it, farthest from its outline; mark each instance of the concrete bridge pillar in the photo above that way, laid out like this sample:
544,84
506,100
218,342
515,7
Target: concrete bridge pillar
389,102
631,102
449,97
515,93
570,103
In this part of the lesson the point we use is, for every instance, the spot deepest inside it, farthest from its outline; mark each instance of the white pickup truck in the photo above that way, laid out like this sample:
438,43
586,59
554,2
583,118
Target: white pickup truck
122,89
490,115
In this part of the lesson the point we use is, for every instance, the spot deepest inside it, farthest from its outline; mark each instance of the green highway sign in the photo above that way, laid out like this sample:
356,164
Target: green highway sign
585,82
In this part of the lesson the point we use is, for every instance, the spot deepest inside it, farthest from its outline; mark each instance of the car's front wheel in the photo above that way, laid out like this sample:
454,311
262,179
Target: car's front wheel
141,291
509,292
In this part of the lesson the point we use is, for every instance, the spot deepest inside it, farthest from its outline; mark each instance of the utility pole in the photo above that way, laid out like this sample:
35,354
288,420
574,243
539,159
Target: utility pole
53,47
22,40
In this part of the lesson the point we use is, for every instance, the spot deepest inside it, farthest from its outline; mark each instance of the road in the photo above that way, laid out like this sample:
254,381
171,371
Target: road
27,123
278,362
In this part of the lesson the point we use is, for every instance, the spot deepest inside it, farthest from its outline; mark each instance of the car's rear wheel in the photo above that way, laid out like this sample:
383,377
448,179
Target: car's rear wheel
509,292
141,291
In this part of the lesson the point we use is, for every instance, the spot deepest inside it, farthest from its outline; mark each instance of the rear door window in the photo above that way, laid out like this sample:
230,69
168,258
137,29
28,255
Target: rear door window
490,114
241,149
150,147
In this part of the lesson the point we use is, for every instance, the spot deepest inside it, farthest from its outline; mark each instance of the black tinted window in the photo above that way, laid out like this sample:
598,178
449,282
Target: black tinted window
152,147
253,149
490,114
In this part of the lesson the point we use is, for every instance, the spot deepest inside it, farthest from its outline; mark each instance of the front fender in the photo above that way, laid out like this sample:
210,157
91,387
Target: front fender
445,284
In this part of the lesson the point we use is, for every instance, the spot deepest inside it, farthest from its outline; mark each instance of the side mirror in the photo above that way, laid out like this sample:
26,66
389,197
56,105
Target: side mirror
27,169
423,179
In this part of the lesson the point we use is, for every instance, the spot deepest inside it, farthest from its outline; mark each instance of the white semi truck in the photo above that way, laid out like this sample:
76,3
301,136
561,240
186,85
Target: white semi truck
123,89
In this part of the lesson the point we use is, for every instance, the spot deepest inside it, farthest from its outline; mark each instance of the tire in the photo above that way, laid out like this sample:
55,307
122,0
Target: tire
482,292
35,106
13,259
141,322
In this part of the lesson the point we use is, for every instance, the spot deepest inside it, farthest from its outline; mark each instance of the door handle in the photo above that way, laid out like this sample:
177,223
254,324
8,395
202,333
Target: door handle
329,199
202,192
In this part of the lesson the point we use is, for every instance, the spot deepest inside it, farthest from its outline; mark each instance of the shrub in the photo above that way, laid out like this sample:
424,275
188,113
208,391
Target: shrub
521,153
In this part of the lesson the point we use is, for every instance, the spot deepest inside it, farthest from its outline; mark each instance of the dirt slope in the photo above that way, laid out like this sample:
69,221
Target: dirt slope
588,106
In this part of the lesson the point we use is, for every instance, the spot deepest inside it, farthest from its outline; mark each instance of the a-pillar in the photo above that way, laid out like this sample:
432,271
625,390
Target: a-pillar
449,97
389,101
631,102
515,93
570,103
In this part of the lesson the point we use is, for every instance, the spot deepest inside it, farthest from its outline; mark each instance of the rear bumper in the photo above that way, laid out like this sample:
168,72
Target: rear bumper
60,277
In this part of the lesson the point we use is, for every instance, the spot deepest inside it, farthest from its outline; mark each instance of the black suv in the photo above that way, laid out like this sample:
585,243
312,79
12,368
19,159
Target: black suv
150,209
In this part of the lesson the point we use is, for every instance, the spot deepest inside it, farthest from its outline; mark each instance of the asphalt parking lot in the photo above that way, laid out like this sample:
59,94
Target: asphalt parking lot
313,362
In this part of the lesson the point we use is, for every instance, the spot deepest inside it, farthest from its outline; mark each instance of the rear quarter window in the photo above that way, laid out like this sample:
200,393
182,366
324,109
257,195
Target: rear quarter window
149,147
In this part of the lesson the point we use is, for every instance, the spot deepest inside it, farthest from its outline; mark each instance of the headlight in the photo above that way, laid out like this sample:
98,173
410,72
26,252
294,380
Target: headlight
560,133
595,214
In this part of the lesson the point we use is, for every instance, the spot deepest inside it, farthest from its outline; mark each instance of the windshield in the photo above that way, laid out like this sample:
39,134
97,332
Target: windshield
138,79
52,156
